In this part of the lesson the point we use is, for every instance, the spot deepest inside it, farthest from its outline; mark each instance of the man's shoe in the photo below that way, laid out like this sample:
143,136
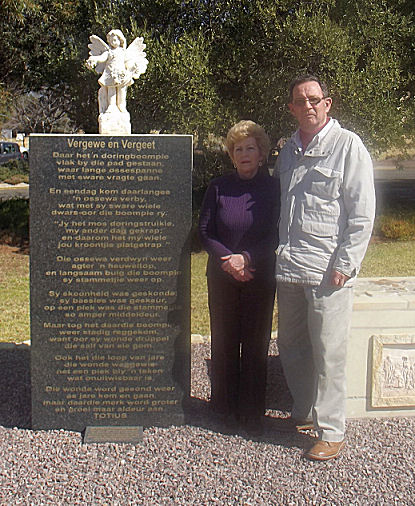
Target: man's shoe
292,425
325,450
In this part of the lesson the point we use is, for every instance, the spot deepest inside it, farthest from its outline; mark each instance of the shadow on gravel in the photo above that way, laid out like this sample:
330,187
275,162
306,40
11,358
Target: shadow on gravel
15,394
15,398
278,402
278,394
199,415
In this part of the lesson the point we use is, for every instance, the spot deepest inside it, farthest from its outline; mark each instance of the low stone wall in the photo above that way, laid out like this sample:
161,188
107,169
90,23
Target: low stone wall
381,349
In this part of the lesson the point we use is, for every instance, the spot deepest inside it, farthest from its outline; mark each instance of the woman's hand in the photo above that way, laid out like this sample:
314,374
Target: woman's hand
235,265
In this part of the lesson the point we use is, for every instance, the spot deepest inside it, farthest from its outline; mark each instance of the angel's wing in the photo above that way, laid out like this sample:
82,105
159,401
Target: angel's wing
96,48
135,57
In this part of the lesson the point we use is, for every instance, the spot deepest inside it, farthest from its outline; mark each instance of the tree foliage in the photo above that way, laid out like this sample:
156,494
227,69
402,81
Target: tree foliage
215,62
44,112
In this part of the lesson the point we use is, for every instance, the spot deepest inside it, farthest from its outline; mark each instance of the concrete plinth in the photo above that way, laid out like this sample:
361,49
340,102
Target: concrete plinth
114,123
381,349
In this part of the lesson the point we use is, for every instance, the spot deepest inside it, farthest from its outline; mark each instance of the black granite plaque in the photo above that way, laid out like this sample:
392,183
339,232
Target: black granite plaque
110,218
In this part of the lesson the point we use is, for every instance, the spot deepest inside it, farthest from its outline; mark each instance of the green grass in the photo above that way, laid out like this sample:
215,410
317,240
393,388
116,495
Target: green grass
199,301
14,295
382,260
389,259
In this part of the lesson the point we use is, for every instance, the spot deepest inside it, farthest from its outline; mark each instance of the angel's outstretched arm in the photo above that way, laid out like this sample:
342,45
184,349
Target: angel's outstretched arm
98,52
93,60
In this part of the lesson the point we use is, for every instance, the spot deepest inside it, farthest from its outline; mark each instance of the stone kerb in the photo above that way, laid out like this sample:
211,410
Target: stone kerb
381,348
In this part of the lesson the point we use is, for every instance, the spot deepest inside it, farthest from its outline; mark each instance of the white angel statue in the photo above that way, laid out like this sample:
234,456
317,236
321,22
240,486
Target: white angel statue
119,66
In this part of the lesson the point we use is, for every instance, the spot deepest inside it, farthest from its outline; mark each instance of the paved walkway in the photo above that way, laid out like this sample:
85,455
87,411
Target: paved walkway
8,191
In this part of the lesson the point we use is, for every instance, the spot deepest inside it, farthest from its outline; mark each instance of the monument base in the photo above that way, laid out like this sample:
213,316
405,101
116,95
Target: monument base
114,123
381,349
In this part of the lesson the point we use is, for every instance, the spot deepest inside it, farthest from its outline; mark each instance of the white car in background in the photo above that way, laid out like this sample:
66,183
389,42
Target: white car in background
25,152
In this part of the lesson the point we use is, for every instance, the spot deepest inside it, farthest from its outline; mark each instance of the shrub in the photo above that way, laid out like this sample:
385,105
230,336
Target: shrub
396,224
14,172
14,220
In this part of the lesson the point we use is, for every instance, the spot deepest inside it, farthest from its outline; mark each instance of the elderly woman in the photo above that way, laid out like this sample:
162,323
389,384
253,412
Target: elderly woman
238,229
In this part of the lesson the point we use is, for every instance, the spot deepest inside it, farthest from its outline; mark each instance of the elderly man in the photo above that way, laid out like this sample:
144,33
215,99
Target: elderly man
327,213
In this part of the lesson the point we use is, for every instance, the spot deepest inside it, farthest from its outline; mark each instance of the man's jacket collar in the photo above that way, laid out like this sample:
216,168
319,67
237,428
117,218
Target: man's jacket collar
317,147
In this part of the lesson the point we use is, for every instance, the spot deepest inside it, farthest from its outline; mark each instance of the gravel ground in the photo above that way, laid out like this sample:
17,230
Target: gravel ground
198,463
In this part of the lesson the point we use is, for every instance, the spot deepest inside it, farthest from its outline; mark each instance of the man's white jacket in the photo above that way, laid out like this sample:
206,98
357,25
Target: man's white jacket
327,206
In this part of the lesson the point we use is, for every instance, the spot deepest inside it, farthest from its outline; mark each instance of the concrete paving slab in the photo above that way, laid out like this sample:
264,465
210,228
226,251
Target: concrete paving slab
9,191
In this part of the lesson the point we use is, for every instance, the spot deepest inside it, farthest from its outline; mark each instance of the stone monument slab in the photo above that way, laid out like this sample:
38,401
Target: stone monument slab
110,279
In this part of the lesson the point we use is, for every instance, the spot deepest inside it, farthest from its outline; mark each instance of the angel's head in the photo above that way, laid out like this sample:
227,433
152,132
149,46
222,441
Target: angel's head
116,35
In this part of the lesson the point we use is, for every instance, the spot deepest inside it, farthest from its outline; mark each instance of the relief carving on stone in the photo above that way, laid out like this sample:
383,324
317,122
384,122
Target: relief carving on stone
393,373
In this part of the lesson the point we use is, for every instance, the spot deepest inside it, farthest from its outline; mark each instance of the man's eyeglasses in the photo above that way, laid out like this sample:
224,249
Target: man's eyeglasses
300,102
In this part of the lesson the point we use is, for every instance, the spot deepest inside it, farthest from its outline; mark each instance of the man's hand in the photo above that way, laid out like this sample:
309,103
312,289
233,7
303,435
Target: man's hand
338,279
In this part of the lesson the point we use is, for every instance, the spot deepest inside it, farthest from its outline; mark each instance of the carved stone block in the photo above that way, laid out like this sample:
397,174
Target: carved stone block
393,373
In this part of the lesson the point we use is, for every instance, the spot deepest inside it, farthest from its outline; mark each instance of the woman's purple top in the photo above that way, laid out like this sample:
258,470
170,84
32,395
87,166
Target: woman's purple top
241,215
